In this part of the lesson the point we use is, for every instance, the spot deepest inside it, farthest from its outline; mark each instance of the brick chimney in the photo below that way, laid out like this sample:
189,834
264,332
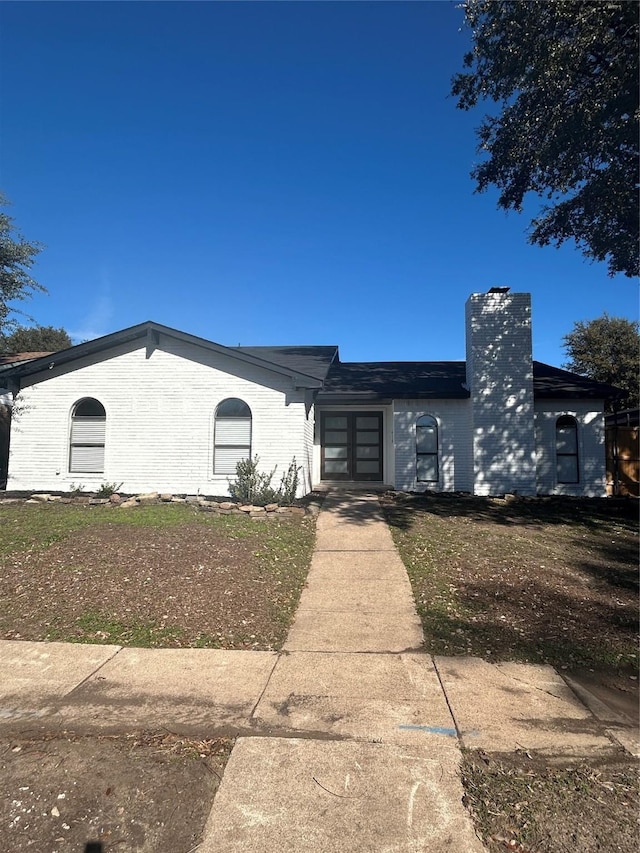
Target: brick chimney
500,379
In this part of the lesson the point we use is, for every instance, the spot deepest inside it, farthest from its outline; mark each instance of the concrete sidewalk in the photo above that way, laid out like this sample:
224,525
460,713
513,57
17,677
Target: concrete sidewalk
349,738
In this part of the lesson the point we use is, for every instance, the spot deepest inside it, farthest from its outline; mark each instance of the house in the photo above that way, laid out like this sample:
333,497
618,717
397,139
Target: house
155,408
8,360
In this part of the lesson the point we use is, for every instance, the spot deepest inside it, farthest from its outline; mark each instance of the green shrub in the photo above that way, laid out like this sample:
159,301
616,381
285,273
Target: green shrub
108,489
252,486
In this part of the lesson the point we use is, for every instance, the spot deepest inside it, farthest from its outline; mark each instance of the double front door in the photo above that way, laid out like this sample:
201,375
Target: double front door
351,445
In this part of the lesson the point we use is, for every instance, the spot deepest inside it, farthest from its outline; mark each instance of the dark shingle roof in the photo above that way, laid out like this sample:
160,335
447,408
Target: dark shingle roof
312,361
554,383
387,379
443,379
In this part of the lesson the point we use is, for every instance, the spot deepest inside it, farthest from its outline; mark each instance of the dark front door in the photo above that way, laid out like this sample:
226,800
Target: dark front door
351,445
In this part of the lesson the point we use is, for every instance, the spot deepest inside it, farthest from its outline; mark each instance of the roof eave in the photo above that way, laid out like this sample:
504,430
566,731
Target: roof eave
142,331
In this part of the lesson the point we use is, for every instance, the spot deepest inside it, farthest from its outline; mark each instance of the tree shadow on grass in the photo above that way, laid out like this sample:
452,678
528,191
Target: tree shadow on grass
401,509
541,625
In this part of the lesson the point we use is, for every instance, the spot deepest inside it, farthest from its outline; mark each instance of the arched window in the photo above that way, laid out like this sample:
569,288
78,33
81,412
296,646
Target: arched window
567,467
427,449
86,448
232,439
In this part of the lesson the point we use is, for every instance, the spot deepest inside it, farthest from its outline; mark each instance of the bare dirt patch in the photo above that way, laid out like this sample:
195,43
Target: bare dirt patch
549,581
140,792
522,803
151,576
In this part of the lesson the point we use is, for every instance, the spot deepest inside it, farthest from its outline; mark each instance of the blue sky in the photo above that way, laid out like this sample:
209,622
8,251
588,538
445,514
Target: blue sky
266,173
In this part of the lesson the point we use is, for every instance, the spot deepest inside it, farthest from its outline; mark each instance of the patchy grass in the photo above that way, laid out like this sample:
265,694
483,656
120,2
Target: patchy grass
546,581
157,575
520,802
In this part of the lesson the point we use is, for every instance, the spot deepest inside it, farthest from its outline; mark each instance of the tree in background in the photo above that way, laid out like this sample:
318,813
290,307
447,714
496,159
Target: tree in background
565,74
17,256
35,339
607,349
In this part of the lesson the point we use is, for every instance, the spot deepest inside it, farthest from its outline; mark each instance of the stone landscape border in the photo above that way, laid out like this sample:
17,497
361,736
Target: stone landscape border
271,511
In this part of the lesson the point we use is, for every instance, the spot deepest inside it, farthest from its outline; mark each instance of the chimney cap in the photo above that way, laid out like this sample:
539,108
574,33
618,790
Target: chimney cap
499,290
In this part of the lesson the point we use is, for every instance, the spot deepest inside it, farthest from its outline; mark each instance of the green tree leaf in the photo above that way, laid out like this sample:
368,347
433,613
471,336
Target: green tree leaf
565,76
17,256
607,349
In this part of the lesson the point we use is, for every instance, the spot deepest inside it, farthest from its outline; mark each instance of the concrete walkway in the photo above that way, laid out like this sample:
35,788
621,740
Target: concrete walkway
349,738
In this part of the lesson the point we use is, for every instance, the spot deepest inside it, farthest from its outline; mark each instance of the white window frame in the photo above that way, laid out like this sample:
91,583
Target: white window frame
88,432
243,449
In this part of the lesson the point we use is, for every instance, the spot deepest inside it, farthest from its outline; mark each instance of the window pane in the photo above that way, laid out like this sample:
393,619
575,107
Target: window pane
335,437
87,460
233,431
428,468
88,430
427,439
335,467
335,423
335,453
367,467
233,408
89,408
566,439
367,423
567,469
226,459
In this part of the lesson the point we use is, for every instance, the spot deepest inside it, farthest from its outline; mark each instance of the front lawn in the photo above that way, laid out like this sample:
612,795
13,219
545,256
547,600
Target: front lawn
160,575
546,581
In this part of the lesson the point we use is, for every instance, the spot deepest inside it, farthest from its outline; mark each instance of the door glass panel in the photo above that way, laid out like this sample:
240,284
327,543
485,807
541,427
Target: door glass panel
335,453
427,468
367,423
372,452
335,467
367,437
364,467
335,423
335,437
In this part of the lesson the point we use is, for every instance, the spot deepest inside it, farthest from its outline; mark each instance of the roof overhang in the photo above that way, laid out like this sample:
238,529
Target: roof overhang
150,335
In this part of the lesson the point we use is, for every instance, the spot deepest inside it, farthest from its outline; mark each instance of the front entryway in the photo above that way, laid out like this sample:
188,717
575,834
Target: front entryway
351,445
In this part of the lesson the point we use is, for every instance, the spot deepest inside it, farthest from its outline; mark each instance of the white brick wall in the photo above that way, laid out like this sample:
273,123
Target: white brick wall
159,432
591,447
454,444
500,378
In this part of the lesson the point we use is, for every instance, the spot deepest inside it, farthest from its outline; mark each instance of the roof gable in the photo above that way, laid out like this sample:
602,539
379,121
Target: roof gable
150,333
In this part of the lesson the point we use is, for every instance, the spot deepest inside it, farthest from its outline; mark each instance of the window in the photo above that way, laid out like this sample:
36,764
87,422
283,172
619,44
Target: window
427,449
86,450
567,450
232,441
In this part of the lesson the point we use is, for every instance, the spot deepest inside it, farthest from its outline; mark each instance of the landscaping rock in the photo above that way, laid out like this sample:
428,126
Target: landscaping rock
115,498
271,507
128,503
166,497
227,505
98,501
192,499
40,498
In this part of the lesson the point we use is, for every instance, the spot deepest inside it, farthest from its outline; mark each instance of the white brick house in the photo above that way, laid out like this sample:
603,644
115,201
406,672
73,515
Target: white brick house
154,408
